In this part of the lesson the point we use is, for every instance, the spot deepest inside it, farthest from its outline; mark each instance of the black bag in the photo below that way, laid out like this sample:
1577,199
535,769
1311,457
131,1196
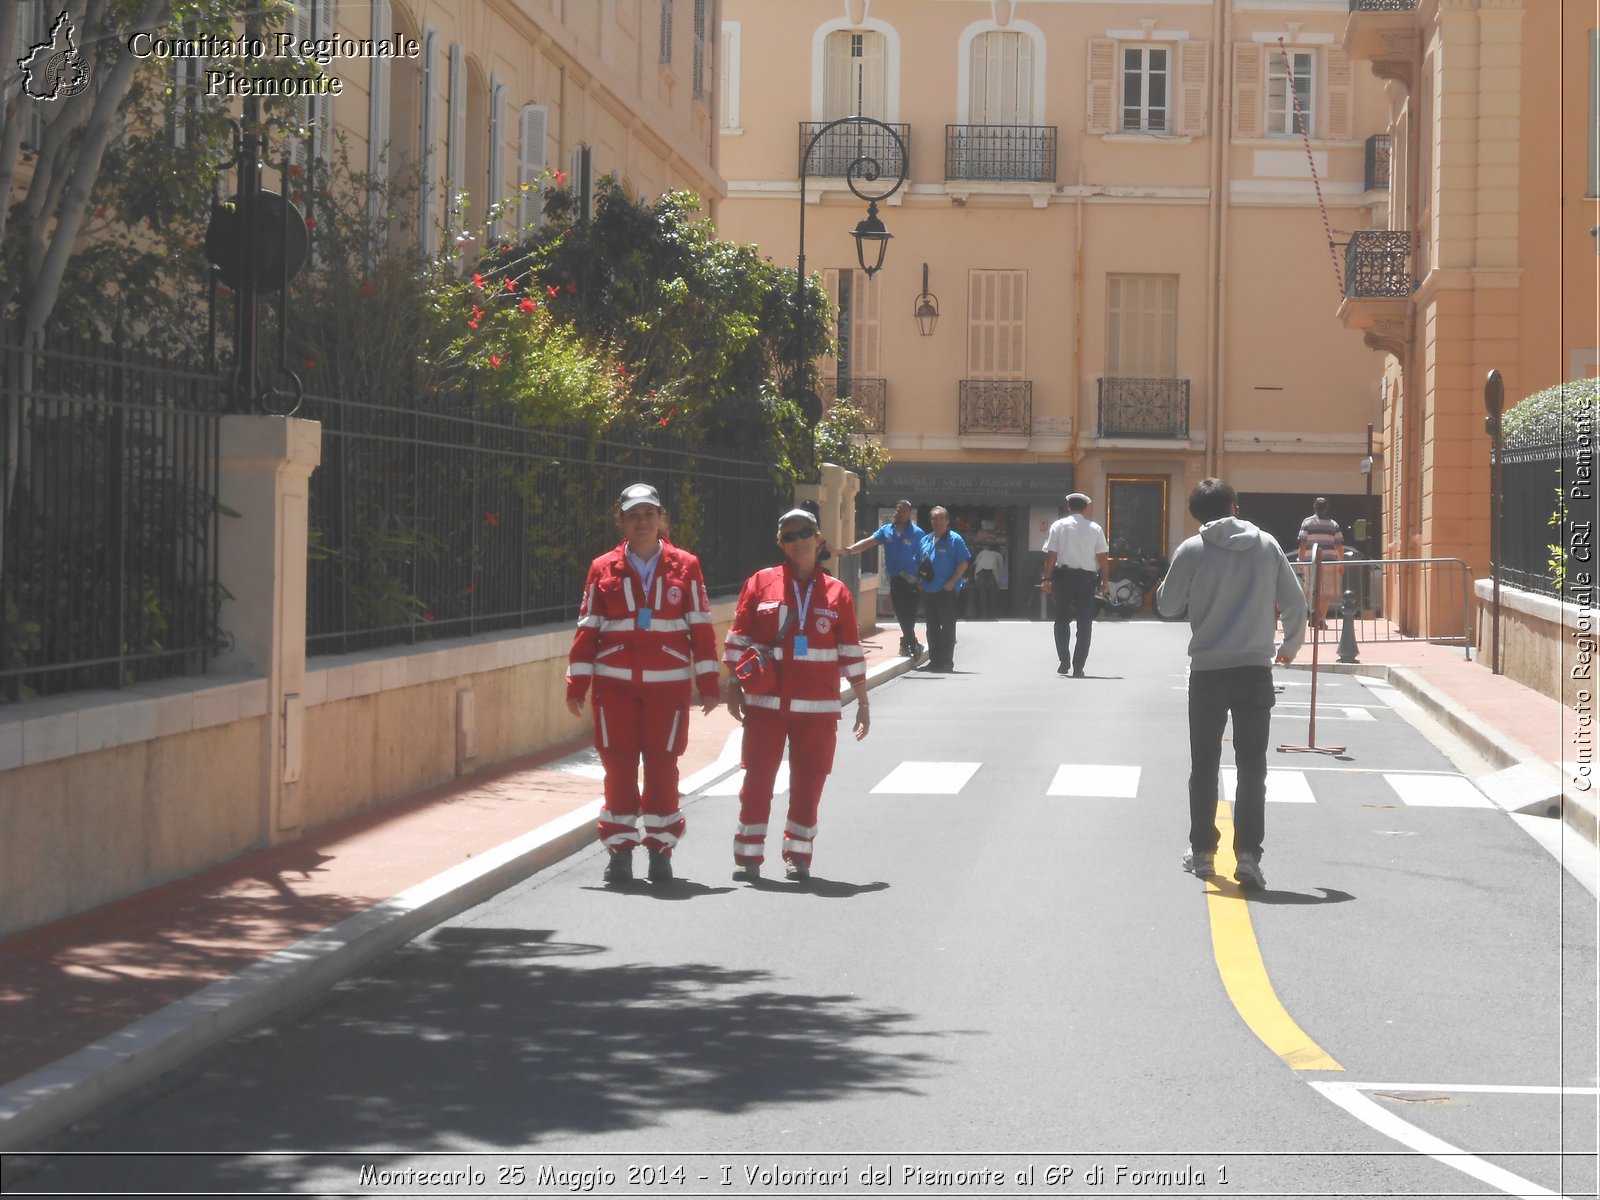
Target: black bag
925,570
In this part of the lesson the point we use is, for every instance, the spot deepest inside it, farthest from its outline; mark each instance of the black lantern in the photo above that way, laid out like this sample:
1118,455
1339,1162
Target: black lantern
926,309
872,239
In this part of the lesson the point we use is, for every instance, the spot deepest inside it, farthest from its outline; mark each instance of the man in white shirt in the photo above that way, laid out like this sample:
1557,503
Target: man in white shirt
988,576
1077,565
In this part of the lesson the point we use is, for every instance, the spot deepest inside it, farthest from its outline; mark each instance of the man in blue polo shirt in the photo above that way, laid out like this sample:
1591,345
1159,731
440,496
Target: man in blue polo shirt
901,540
948,560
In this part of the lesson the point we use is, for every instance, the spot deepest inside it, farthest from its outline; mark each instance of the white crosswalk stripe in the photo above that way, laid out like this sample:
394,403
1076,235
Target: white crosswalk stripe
927,779
1437,791
1090,779
1283,787
1325,712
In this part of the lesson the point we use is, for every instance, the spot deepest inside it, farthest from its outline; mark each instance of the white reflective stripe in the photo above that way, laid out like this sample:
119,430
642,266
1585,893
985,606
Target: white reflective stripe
592,621
576,669
621,626
790,829
658,591
667,676
605,735
673,626
814,706
855,670
667,840
737,640
607,817
763,702
695,598
696,617
654,821
612,649
677,654
851,652
612,672
794,845
813,656
672,737
628,838
750,831
627,592
702,665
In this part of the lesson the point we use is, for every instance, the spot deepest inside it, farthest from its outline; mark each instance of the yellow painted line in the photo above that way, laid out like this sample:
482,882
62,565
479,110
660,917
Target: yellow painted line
1244,975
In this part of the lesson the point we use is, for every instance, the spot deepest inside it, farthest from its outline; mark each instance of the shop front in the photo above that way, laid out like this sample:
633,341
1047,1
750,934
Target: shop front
1000,506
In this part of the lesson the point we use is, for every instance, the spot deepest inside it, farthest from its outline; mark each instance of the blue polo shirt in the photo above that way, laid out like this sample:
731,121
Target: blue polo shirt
947,553
901,547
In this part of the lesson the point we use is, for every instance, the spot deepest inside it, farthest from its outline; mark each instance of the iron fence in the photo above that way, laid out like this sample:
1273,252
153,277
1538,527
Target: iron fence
1359,6
1018,153
840,148
433,522
1535,527
996,406
871,396
1380,152
1392,600
1146,408
109,518
1377,263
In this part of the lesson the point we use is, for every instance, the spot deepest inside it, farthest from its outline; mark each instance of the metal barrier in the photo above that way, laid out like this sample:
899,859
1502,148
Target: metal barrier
1395,599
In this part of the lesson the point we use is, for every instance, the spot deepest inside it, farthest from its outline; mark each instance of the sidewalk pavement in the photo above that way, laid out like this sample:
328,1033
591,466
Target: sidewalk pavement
96,1004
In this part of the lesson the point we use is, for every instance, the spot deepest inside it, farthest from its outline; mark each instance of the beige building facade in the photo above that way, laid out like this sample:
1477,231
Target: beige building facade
1124,211
1488,261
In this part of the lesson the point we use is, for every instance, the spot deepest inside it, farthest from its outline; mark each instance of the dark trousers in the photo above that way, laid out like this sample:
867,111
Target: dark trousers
940,608
1074,593
987,598
1247,693
903,595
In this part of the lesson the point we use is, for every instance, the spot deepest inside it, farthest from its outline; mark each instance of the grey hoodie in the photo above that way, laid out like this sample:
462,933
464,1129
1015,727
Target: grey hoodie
1232,576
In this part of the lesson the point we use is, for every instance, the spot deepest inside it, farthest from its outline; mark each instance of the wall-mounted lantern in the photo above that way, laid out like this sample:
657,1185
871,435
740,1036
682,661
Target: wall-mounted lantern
926,309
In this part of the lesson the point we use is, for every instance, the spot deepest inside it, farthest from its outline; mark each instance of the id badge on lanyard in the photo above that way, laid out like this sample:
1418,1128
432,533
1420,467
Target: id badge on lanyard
802,645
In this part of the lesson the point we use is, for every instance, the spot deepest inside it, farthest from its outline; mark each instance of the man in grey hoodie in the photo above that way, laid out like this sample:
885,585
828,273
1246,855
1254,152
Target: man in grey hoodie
1231,576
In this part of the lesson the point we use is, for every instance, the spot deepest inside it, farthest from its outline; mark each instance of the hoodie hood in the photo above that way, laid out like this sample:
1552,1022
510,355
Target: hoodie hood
1230,533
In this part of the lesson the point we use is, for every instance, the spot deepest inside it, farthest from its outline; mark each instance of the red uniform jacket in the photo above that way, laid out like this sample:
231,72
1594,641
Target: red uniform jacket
808,684
679,644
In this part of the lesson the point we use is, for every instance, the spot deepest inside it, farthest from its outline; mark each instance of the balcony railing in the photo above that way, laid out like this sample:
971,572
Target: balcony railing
871,396
1383,5
1002,406
1144,408
839,147
1377,263
1018,153
1379,150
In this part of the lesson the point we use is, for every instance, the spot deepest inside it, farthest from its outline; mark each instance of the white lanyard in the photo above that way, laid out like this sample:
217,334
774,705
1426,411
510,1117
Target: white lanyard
647,570
801,607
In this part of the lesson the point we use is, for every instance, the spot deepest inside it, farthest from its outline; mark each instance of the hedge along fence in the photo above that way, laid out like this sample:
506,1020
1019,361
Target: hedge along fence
1548,520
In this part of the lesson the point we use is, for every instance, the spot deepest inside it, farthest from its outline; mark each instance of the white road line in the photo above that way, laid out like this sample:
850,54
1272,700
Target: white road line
1332,712
1089,779
1283,787
731,785
1351,1098
926,779
1389,694
1437,791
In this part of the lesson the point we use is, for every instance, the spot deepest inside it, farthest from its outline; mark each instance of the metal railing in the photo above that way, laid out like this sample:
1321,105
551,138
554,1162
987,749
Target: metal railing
1359,6
430,523
109,519
1380,152
837,149
1018,153
1535,522
1377,263
871,396
1144,408
1395,600
996,406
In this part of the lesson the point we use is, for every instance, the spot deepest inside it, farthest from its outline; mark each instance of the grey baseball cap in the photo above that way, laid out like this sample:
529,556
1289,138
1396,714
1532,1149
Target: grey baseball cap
637,494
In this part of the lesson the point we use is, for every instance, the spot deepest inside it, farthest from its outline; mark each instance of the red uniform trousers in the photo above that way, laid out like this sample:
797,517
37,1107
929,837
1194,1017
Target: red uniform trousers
811,743
630,724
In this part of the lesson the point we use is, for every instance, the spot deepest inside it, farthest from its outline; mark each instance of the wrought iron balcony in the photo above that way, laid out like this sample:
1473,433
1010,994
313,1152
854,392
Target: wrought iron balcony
1377,263
1383,5
1018,153
990,406
871,396
1379,151
1144,408
837,149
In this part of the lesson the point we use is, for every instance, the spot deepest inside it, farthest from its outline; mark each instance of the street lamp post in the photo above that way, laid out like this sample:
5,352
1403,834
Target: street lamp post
872,238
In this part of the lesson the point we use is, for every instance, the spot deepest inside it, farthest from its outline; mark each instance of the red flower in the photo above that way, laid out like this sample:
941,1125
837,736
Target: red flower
477,281
553,290
311,364
367,288
428,616
492,518
477,315
494,360
296,170
561,176
573,288
511,285
529,304
99,212
311,222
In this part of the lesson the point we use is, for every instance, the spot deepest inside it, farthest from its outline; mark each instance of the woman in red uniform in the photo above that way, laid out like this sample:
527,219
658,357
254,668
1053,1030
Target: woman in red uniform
644,633
807,619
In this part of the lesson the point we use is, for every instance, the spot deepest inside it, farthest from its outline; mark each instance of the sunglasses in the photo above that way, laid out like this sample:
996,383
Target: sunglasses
794,535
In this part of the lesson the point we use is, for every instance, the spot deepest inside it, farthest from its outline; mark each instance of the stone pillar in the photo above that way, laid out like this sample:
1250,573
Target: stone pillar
261,562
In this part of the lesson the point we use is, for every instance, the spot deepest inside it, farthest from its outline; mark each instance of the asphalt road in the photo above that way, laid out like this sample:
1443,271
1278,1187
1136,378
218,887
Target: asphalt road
989,974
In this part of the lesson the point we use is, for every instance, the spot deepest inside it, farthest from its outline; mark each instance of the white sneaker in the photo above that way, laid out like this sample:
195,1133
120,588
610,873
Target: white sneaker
1201,864
1248,872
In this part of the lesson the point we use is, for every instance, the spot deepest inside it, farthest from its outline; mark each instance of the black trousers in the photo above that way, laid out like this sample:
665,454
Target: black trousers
1074,591
903,595
941,614
1246,692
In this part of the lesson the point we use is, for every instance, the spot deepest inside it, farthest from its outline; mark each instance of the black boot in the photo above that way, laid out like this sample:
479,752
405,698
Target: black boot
619,868
660,867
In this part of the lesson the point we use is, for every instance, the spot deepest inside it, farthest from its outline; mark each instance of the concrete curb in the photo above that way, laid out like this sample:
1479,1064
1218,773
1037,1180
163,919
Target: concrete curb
39,1104
1540,783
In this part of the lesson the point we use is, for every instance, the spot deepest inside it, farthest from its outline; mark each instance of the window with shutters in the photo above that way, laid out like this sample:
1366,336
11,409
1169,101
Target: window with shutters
455,153
497,175
312,19
854,75
997,321
185,79
664,57
582,183
427,120
699,72
1290,112
531,162
858,306
378,101
1143,88
728,75
1146,86
1001,90
1142,326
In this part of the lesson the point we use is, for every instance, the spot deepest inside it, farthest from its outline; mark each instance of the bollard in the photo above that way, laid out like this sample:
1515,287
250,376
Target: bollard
1347,635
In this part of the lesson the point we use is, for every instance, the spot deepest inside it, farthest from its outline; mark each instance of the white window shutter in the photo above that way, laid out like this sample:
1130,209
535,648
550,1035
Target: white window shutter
1340,120
456,149
532,162
866,293
497,181
980,324
427,151
1249,93
838,94
1194,87
828,365
1102,105
874,76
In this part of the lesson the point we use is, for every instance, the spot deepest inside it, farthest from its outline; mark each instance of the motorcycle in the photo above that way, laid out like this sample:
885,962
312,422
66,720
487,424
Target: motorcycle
1131,581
